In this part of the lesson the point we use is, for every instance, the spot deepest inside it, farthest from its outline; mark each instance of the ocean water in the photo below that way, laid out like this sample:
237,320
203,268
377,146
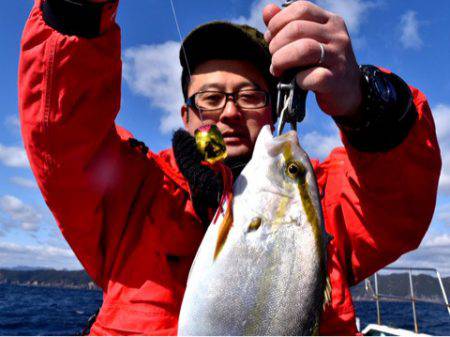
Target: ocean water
432,318
45,311
52,311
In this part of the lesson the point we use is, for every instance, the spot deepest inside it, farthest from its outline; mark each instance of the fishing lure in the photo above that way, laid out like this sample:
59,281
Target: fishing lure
210,143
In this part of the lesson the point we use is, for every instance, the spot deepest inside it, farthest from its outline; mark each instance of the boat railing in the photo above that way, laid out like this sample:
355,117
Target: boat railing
377,296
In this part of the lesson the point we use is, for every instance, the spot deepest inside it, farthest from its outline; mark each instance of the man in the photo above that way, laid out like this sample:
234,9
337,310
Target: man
134,220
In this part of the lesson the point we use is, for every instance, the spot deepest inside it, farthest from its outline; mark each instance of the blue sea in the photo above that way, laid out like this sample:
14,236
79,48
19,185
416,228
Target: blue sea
53,311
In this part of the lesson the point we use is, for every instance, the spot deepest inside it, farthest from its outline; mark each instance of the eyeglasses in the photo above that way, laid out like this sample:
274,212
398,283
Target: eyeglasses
211,101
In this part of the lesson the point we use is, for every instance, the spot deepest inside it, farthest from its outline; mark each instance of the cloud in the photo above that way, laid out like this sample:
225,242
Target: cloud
409,27
255,17
13,156
354,12
442,214
441,113
24,182
12,255
12,122
434,252
438,241
19,214
42,250
319,145
153,71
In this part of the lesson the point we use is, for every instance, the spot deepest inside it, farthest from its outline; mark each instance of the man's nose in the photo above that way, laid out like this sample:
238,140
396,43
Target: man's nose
231,110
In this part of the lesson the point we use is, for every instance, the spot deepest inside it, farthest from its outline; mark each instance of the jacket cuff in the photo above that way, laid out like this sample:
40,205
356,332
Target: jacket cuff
79,17
390,128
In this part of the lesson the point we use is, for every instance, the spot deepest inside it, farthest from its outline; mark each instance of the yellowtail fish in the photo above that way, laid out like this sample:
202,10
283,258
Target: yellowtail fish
261,267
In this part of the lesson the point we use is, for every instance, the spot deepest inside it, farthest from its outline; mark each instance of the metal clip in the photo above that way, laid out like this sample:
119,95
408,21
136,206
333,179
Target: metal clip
291,104
291,100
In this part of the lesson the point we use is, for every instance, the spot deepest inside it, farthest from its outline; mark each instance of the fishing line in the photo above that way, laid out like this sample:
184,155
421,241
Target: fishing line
181,38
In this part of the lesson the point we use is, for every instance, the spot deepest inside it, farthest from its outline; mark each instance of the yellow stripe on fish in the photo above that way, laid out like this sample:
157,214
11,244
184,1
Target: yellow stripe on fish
296,170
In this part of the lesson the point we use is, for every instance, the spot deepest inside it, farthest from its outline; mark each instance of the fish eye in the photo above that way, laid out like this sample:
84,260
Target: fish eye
294,169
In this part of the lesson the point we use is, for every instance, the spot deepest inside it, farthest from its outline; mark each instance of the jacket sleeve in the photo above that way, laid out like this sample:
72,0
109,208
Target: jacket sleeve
69,95
383,201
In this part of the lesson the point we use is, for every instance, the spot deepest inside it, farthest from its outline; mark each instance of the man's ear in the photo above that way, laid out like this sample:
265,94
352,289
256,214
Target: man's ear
185,115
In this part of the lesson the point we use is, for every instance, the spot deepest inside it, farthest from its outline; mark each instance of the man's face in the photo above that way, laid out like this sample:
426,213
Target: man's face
239,127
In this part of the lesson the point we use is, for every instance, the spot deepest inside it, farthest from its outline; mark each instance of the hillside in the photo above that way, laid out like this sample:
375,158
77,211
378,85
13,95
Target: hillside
425,287
47,278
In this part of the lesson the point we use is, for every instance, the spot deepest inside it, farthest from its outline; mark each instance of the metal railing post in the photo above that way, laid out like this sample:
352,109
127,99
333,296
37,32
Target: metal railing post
443,291
377,298
413,302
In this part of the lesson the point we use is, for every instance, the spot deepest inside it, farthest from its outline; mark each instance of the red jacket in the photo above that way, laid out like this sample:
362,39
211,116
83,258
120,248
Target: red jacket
128,216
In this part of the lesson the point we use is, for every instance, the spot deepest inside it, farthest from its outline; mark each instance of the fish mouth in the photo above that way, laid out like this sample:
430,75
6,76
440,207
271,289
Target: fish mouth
281,143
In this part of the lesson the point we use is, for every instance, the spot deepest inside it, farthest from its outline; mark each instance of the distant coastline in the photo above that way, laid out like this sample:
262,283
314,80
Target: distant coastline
92,286
426,287
49,278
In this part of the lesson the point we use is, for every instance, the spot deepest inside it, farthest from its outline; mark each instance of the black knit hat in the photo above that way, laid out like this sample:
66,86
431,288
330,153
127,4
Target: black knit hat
227,41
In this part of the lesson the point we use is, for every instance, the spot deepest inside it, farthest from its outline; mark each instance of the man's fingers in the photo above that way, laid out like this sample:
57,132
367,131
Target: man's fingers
269,12
300,10
296,30
317,79
298,54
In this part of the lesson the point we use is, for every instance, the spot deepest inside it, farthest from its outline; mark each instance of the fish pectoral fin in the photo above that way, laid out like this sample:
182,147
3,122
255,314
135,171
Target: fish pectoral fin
327,293
224,229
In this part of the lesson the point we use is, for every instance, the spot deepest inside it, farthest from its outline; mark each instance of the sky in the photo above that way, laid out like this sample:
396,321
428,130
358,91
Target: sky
410,38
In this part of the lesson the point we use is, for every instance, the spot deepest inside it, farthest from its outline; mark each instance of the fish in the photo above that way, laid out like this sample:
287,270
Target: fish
261,266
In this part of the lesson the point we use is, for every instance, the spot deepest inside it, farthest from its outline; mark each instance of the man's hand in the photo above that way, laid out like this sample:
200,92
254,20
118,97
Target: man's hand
295,34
